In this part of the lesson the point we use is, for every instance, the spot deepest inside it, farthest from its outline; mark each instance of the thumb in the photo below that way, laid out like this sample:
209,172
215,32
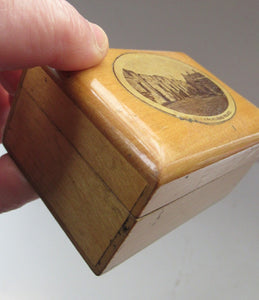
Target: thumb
48,32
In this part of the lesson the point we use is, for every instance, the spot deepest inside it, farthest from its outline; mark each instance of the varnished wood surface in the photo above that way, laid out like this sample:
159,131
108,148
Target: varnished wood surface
91,145
169,147
104,161
73,191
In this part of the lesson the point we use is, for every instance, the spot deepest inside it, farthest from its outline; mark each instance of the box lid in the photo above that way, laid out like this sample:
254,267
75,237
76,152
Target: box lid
167,114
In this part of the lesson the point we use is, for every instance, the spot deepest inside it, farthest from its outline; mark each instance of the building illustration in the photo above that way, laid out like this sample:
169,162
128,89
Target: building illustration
193,94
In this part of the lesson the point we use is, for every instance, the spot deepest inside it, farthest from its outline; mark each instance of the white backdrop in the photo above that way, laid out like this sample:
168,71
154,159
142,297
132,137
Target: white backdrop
213,256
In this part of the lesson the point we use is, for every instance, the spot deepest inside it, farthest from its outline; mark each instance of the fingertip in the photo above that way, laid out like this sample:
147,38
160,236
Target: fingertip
101,39
85,46
15,191
54,34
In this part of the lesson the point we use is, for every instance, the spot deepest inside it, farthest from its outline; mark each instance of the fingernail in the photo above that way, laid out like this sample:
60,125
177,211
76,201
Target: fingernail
100,36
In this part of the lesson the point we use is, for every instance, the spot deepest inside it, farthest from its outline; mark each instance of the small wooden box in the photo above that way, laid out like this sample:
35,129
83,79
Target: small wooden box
126,151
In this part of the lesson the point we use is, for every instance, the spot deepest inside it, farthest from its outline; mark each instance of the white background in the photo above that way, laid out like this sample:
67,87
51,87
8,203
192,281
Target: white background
213,256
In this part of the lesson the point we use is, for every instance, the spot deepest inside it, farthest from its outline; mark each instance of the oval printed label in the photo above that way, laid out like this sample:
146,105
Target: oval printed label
174,87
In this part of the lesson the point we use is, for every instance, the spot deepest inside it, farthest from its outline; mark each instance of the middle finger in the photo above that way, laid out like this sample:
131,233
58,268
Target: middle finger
10,80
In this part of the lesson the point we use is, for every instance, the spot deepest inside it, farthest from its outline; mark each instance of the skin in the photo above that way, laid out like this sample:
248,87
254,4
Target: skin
37,33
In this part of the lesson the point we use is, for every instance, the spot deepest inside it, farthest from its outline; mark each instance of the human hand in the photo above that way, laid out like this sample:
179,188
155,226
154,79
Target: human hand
39,32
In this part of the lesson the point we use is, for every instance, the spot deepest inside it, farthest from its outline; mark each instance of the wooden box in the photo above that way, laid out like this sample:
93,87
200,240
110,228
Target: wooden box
126,151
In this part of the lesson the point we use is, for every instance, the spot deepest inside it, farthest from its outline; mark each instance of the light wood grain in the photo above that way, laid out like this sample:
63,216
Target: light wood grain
180,187
158,223
161,146
112,167
86,208
118,172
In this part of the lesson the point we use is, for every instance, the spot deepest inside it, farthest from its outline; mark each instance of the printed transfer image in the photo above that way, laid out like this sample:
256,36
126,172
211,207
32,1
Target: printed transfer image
174,87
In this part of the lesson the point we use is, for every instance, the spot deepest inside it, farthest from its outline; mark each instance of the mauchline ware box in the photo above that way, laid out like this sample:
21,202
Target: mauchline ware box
126,151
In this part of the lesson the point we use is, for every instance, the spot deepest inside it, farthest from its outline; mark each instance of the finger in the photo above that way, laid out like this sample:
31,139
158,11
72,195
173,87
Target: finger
15,191
48,32
4,109
10,80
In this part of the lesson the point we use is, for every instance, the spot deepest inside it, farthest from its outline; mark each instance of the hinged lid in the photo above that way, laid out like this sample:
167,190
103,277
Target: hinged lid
165,112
